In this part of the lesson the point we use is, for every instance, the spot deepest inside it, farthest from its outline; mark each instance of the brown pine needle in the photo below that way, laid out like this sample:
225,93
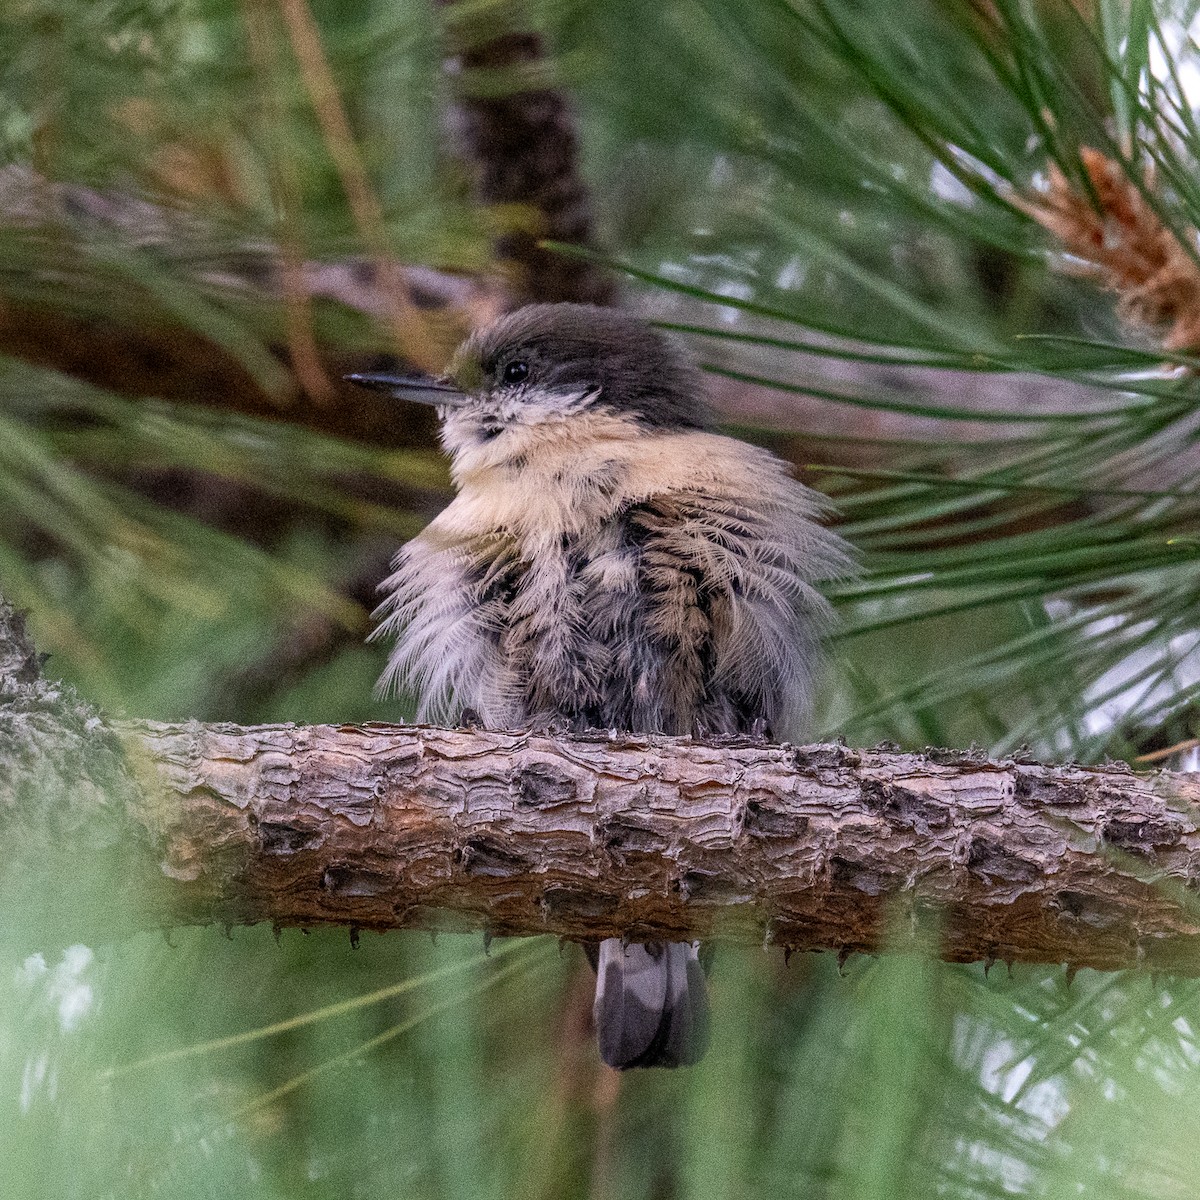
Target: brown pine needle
415,338
285,189
1116,238
1159,755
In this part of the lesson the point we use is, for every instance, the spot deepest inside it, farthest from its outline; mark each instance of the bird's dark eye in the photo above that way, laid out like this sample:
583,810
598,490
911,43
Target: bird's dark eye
515,372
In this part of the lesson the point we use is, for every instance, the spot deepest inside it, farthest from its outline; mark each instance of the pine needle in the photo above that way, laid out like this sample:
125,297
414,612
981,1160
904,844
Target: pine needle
307,1018
494,977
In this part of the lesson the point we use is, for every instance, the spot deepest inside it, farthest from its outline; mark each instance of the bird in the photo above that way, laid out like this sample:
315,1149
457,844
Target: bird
608,561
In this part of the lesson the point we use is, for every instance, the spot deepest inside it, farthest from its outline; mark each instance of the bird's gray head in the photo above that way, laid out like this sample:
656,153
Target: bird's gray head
557,370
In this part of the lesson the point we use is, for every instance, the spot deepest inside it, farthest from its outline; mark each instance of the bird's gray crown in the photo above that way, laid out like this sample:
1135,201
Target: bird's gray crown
632,369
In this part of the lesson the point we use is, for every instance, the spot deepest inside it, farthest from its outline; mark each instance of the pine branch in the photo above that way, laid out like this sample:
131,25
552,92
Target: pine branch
807,847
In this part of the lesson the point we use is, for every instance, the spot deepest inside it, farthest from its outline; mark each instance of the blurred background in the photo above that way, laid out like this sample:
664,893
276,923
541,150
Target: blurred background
940,254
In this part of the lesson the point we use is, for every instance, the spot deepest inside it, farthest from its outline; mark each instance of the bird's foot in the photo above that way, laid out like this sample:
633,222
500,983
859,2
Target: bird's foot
469,718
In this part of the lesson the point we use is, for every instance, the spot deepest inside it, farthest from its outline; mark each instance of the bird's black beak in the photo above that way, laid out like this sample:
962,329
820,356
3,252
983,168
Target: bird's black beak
423,389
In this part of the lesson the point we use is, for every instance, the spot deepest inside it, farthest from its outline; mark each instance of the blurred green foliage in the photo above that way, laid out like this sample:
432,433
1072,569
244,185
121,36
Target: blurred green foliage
903,1077
800,184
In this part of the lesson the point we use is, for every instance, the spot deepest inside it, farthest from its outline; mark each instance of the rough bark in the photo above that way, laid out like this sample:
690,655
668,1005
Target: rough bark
589,836
70,811
810,847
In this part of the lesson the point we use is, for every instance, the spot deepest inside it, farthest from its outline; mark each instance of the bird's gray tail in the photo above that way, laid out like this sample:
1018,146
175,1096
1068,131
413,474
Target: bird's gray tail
651,1005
